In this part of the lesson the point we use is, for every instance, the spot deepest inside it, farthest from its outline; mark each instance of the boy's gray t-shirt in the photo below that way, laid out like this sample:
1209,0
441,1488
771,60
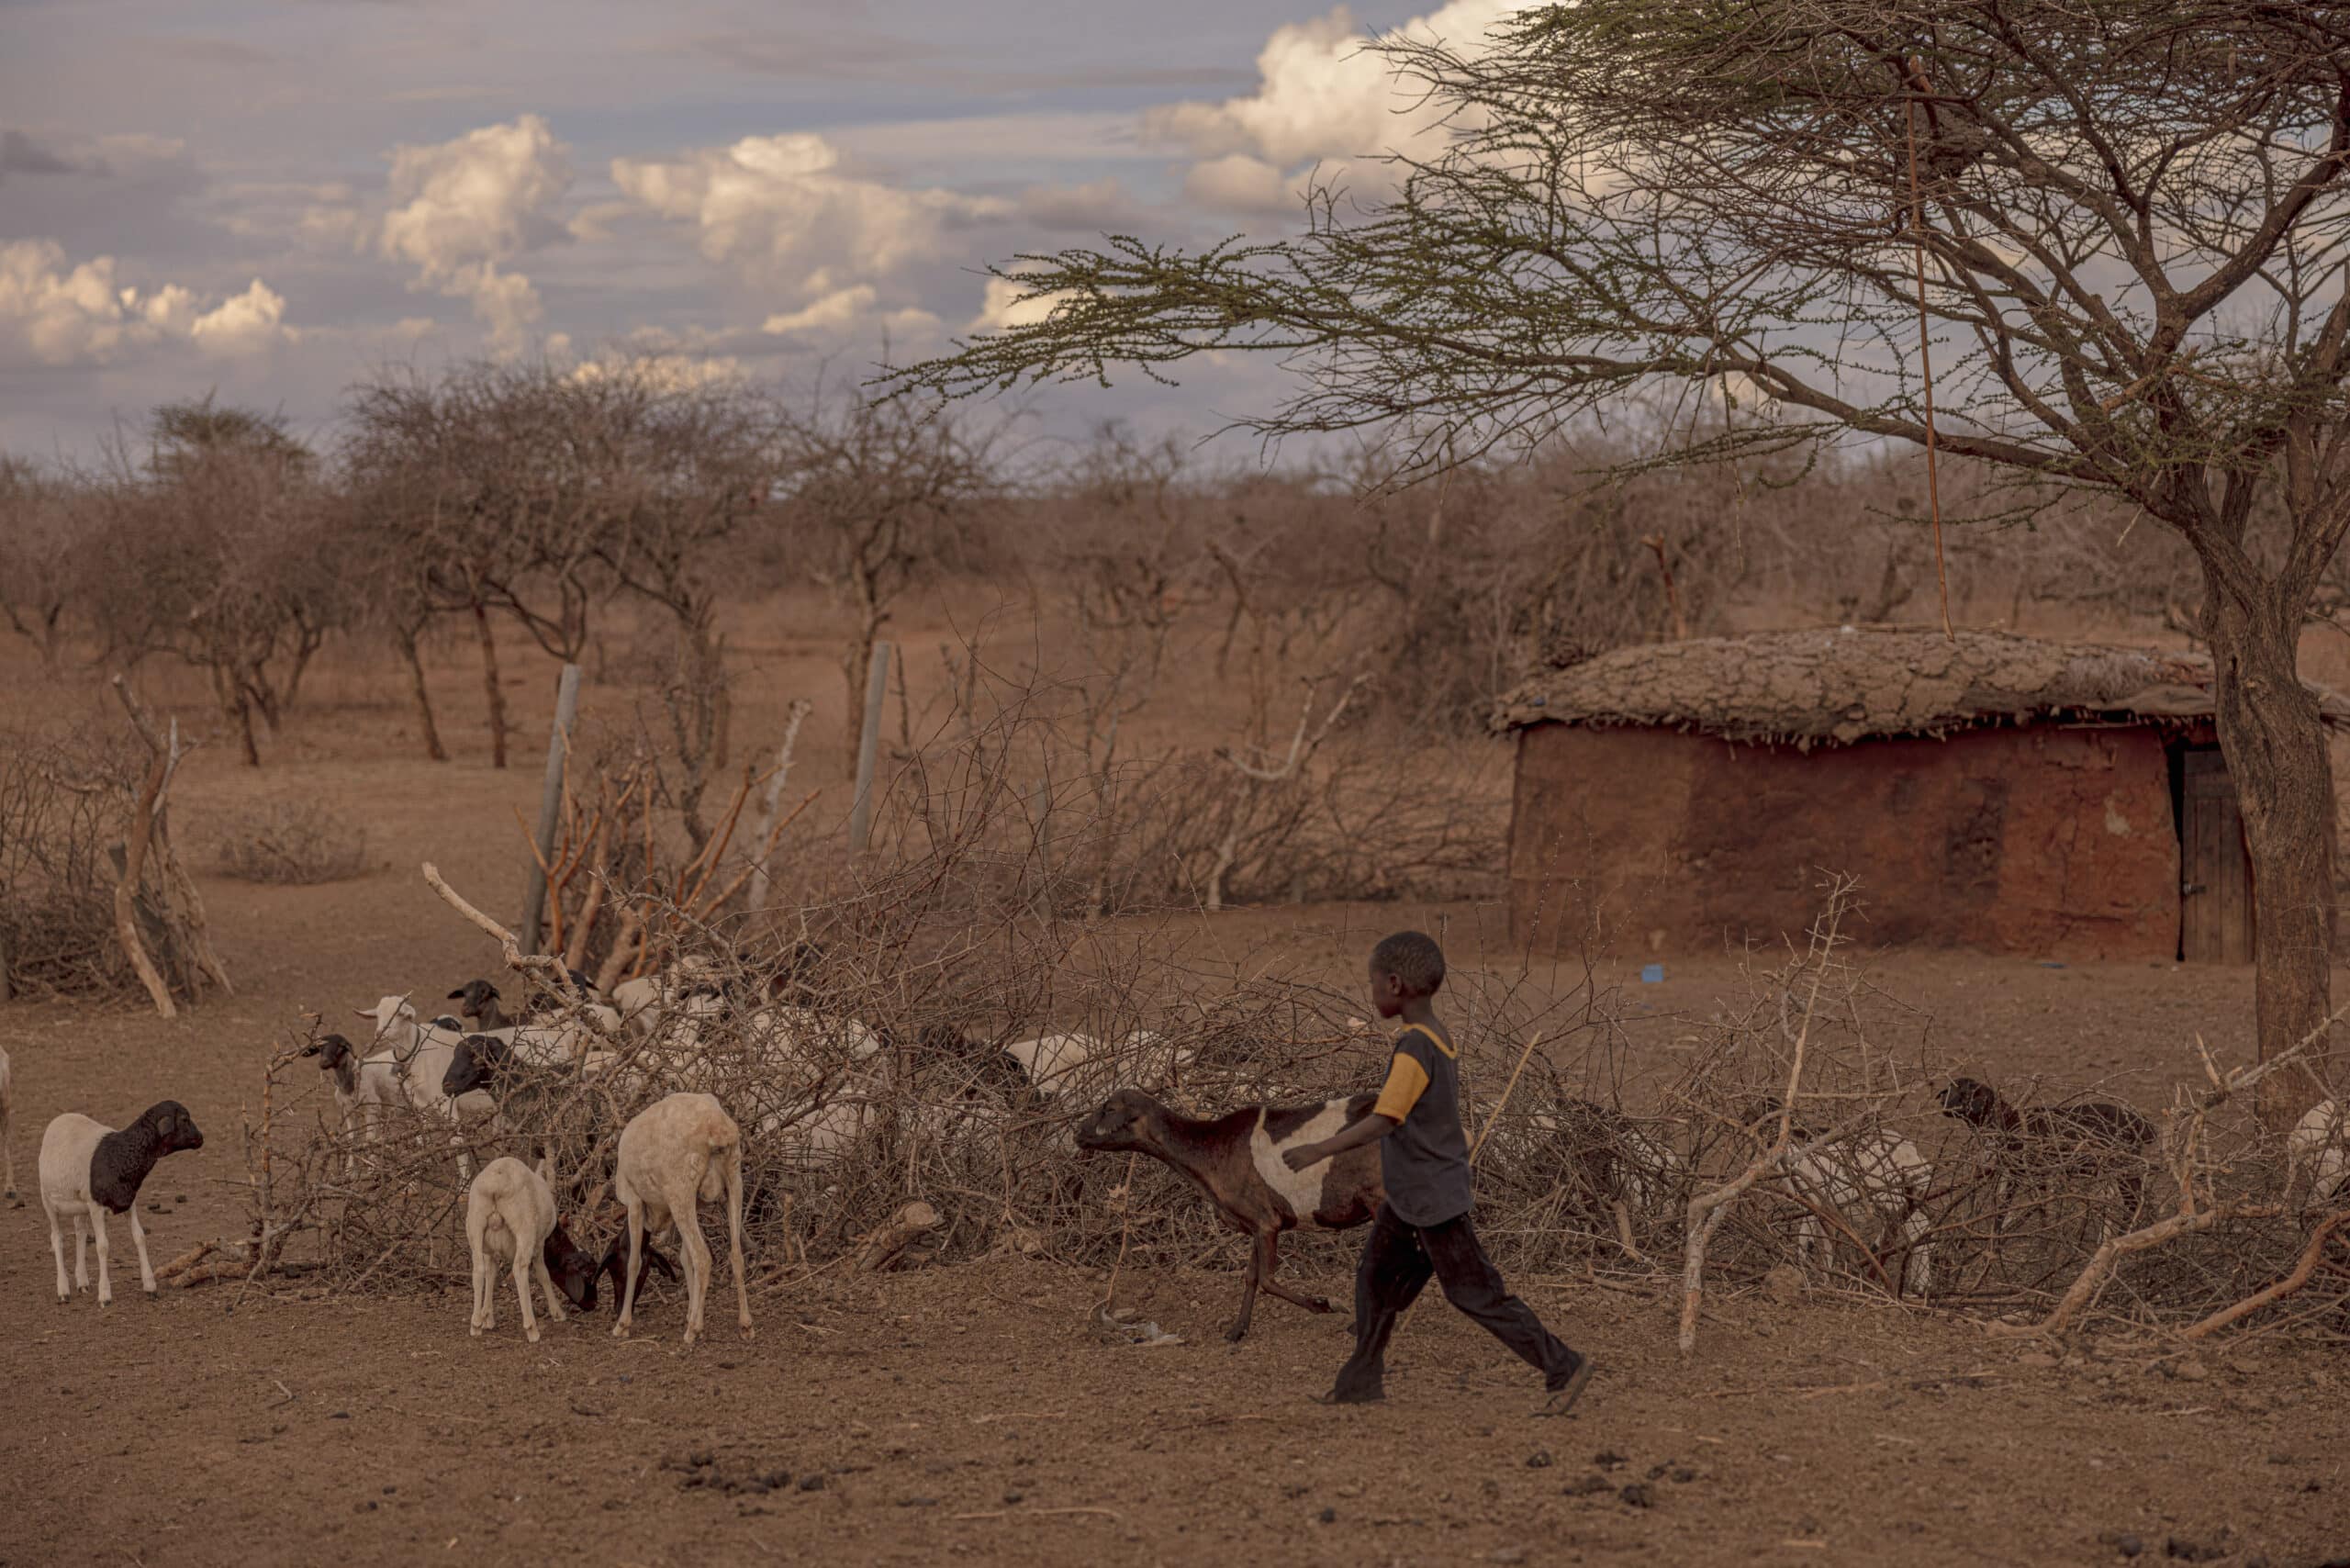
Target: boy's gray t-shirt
1425,1162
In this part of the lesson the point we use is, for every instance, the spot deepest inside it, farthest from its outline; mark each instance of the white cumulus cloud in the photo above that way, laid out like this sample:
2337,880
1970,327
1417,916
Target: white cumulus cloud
1241,182
462,209
57,315
791,217
1003,306
1320,97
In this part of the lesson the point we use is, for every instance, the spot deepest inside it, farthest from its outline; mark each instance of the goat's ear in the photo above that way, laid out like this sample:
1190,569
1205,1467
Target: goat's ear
363,1012
456,995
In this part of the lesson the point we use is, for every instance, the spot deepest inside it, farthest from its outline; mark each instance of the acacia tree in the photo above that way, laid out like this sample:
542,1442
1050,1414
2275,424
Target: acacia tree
2122,222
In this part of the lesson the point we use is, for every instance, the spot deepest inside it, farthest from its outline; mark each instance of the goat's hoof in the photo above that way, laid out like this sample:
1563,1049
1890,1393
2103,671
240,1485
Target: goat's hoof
619,1330
749,1332
1319,1304
64,1298
533,1335
1234,1335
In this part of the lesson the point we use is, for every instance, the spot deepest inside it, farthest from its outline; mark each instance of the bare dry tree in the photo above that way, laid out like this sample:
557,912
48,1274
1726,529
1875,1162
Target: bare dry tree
40,555
214,547
2123,220
874,486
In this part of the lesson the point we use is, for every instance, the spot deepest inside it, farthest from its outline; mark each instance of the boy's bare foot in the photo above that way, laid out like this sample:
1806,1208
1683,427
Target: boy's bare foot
1562,1398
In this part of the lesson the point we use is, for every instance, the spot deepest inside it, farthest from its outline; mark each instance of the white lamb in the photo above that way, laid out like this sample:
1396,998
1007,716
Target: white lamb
509,1213
676,1152
88,1169
1874,1180
2317,1142
419,1055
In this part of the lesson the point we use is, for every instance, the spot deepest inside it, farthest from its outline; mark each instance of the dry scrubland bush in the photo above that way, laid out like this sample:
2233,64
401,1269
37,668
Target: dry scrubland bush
292,842
63,800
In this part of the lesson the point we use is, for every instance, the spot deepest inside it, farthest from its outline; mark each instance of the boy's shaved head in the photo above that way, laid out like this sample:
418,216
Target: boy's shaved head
1413,958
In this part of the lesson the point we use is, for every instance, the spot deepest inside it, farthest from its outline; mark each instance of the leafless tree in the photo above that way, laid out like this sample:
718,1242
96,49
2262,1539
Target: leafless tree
872,486
40,534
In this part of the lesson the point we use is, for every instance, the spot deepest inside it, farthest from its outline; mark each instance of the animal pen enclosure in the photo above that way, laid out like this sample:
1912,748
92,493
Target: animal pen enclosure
1990,791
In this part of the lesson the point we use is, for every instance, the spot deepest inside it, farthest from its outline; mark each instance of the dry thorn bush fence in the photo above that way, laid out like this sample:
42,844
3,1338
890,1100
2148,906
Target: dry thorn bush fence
969,929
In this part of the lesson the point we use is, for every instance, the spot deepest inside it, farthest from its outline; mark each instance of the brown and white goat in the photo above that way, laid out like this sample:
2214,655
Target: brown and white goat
1236,1160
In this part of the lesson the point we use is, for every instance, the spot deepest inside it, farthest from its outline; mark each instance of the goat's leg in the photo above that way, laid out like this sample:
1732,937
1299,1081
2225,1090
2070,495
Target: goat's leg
523,1288
734,1238
485,1311
81,1250
636,1253
1239,1329
57,1247
546,1287
139,1241
106,1278
699,1268
1268,1243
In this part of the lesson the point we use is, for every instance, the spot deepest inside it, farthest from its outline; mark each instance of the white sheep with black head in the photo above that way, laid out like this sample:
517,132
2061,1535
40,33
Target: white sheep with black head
89,1170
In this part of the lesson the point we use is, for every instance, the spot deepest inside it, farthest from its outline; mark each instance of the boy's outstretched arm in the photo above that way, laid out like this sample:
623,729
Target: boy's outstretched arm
1370,1129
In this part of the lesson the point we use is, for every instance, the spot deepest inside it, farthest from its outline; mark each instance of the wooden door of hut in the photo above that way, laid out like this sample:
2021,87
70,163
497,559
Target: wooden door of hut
2215,874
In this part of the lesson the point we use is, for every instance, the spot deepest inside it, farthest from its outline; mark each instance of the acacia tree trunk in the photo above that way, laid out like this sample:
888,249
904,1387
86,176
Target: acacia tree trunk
489,684
415,660
2275,752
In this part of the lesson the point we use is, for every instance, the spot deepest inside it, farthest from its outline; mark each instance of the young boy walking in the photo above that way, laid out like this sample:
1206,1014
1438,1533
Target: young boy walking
1424,1228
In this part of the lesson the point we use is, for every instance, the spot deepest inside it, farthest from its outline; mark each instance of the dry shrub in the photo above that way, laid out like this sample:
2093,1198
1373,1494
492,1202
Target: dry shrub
293,843
62,804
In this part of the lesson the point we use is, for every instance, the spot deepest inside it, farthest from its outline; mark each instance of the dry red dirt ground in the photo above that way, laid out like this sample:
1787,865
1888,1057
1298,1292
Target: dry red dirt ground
968,1412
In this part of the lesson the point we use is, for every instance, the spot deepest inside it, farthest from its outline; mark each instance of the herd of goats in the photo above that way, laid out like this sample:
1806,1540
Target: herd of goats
690,1042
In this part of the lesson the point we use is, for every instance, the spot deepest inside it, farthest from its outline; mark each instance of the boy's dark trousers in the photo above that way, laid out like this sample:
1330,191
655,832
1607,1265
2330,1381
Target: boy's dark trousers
1397,1261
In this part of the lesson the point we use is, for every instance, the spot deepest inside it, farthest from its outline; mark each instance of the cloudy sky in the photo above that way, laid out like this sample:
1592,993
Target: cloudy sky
272,199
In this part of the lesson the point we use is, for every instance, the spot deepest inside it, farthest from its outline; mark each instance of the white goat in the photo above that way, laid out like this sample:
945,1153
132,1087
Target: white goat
1876,1180
2317,1142
1069,1063
509,1213
676,1152
419,1055
88,1169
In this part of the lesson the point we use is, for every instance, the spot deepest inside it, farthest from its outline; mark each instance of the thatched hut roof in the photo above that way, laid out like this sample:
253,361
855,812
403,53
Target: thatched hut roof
1836,685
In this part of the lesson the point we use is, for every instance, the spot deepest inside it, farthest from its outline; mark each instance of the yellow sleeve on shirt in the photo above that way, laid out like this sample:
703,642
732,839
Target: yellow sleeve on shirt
1405,1080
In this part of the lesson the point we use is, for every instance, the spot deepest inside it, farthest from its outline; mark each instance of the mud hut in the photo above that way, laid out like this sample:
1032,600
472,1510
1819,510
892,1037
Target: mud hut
1994,792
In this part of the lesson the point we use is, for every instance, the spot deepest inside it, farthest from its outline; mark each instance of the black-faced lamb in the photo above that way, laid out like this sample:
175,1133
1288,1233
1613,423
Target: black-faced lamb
1236,1160
675,1153
88,1169
363,1089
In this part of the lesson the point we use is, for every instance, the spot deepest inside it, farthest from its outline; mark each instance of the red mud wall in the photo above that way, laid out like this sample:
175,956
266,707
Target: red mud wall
2050,841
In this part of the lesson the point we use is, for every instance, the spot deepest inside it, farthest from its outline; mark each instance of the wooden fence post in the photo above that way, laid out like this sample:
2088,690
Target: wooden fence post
567,704
869,747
